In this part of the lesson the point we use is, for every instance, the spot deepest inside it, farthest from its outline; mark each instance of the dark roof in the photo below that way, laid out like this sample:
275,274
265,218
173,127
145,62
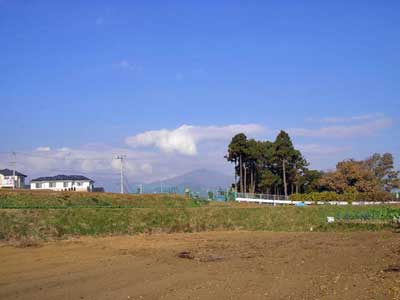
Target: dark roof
8,172
62,178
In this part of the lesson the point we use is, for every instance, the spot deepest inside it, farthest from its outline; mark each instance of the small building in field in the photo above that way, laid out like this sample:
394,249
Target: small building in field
11,179
98,190
63,183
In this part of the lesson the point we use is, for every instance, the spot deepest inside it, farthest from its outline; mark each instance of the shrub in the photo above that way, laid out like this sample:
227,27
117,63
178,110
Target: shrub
349,197
376,196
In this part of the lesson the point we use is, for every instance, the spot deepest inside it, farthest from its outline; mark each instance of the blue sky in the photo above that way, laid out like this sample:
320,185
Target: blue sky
82,78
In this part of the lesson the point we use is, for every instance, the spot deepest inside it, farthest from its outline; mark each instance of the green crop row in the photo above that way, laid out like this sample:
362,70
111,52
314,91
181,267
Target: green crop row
374,213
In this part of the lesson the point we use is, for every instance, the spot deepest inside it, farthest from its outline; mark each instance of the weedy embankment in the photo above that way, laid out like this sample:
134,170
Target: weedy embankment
34,216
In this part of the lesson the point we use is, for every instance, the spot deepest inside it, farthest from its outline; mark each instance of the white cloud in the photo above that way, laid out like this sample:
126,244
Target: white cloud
184,139
356,118
318,149
126,65
99,164
43,149
177,149
85,160
147,168
345,131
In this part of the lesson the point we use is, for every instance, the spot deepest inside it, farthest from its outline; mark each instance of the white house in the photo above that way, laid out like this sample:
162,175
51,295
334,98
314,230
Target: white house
63,183
11,179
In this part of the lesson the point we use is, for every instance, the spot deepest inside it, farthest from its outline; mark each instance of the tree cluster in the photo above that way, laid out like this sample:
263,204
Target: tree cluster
270,167
278,168
376,173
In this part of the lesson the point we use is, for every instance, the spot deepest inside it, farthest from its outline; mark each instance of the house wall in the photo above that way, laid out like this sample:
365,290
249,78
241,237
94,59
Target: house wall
82,186
8,182
20,183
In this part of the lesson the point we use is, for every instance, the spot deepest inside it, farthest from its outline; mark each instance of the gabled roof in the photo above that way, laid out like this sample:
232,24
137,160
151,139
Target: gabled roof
8,172
63,178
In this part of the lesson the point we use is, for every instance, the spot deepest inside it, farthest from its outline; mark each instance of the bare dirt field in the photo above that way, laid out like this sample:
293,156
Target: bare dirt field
213,265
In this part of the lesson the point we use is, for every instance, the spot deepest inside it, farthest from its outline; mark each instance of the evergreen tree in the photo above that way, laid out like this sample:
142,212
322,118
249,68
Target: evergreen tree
236,153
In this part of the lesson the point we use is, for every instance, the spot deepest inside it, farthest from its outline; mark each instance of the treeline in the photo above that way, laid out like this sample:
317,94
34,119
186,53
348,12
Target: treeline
374,174
269,167
278,168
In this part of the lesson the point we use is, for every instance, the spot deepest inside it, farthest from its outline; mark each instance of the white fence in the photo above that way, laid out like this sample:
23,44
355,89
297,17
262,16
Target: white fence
282,200
262,196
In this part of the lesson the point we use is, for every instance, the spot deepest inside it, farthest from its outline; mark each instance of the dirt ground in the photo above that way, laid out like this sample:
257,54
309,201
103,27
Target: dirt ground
213,265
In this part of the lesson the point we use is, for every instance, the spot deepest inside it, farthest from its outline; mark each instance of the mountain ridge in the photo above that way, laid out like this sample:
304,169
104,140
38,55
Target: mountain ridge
198,180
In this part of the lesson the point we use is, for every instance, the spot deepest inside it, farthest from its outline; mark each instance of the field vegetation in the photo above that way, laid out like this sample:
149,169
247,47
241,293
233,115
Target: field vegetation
52,215
51,199
378,196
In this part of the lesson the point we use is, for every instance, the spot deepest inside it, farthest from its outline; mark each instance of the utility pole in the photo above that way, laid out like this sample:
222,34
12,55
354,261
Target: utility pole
141,189
121,159
14,163
284,178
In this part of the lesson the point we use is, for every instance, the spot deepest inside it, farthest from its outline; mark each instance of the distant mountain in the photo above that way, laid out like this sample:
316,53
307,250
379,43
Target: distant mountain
198,181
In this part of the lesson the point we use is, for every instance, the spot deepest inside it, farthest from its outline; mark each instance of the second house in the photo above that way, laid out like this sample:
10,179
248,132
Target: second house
63,183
